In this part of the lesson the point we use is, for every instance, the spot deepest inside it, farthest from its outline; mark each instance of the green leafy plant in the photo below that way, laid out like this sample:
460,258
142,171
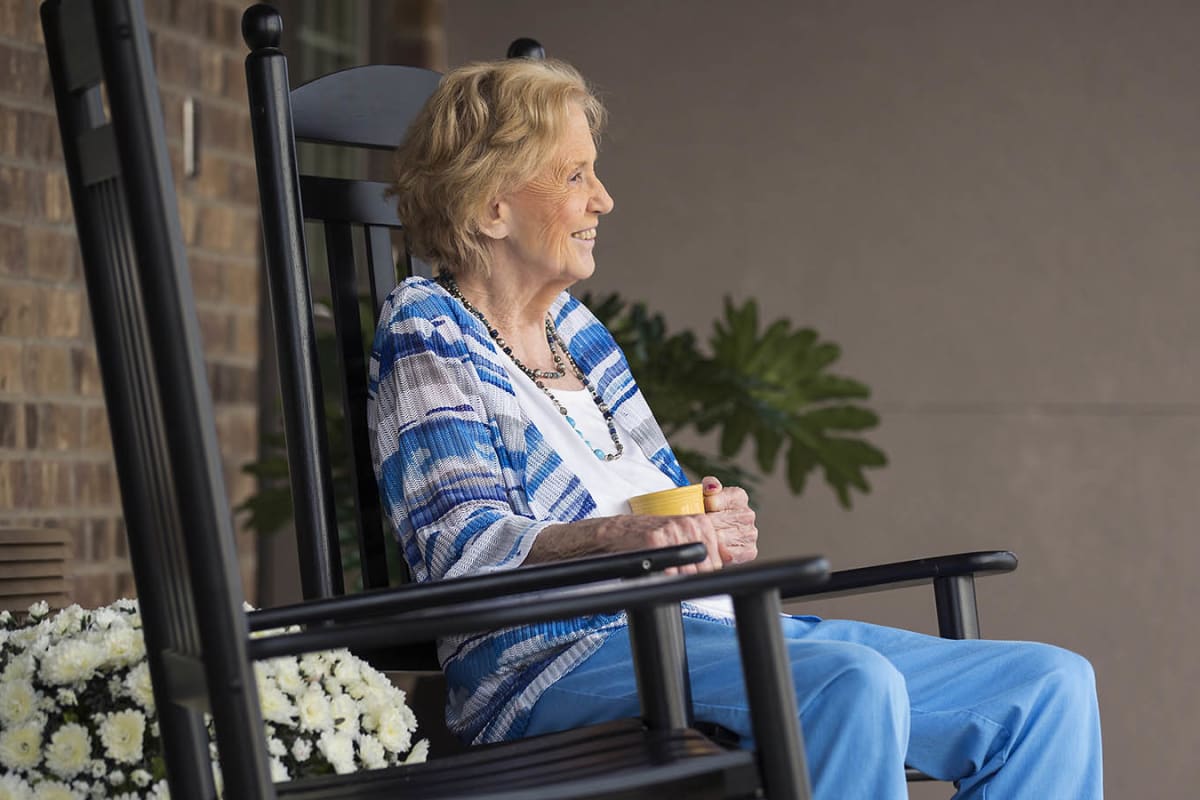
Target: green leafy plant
772,388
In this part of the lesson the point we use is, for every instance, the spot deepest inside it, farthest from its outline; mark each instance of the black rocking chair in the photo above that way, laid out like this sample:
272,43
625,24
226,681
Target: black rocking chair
181,541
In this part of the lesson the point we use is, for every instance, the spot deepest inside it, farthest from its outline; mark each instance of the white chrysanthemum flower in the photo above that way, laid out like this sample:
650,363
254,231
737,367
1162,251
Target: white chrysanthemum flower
345,714
347,670
276,706
17,701
21,746
105,618
67,697
139,687
373,703
313,664
71,661
116,777
276,747
6,617
141,778
39,609
160,791
338,749
70,750
97,769
371,752
394,732
20,668
287,676
121,734
419,753
279,771
124,647
301,750
69,620
13,787
54,790
315,712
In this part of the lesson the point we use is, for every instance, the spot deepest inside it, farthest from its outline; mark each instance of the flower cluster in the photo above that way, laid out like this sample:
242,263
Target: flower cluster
77,715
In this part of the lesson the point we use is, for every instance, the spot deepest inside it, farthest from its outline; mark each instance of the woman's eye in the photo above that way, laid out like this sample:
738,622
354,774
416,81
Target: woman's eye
577,177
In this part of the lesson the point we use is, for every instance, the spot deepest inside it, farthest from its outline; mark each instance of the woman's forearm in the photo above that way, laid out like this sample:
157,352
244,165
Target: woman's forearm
627,532
586,537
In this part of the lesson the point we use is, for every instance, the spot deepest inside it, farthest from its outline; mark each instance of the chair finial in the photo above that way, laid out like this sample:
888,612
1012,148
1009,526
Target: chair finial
262,26
527,48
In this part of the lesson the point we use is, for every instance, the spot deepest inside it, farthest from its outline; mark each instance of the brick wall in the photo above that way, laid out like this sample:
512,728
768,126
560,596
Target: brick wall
56,466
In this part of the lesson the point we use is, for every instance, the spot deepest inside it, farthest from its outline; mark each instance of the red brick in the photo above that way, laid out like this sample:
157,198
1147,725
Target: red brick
12,249
88,368
177,62
56,197
95,485
245,336
47,485
20,311
216,228
223,25
241,285
206,278
53,427
12,425
62,311
52,255
188,15
235,79
38,137
14,190
50,370
212,72
96,436
12,482
214,332
243,186
26,72
11,375
10,120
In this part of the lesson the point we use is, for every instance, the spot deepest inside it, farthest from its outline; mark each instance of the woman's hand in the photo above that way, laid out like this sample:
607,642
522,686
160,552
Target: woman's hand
732,518
644,532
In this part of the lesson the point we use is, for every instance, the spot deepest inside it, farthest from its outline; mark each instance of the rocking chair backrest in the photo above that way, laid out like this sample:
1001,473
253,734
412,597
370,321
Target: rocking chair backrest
367,107
177,516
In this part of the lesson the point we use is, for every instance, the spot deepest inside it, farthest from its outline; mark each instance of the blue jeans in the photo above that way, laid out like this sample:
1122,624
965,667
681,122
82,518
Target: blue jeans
1000,719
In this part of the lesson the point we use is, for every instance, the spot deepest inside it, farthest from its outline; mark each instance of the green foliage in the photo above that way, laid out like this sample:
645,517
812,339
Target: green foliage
770,388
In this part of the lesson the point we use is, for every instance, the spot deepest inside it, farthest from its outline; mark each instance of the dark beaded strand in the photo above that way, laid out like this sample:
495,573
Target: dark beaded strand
558,350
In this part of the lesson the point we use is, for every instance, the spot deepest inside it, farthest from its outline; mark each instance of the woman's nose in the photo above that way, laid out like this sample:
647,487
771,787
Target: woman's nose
602,201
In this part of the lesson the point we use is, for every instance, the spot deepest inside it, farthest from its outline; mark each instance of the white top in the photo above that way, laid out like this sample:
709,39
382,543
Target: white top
610,483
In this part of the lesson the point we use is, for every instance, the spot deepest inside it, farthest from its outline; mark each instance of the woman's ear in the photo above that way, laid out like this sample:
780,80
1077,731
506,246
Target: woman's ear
493,219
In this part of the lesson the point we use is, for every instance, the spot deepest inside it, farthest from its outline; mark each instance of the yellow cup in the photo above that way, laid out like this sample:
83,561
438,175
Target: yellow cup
670,502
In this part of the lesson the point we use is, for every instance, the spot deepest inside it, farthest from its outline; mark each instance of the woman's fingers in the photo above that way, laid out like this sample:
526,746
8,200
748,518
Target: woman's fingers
726,498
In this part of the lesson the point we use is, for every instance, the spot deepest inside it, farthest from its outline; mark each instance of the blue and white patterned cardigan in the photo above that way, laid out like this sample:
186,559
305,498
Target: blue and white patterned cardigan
468,483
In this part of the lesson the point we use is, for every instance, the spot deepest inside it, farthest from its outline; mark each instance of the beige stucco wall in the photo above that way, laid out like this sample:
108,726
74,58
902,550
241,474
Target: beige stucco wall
992,207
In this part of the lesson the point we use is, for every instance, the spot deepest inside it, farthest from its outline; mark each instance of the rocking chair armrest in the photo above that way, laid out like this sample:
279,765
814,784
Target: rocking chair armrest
416,596
490,613
895,575
952,576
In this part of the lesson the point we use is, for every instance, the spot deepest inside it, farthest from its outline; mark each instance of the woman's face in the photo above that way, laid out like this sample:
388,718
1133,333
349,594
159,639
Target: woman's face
552,220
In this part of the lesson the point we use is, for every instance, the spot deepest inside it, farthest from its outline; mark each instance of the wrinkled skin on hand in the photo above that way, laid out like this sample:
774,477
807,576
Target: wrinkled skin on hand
727,531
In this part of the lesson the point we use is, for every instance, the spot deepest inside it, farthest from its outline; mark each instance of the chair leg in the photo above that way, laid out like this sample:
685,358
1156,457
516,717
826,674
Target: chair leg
660,662
958,616
773,711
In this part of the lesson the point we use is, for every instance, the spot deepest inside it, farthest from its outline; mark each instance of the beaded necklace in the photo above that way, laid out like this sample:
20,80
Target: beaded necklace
559,351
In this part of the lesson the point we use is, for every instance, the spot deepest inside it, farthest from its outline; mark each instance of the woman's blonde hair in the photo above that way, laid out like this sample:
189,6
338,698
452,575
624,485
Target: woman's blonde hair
488,129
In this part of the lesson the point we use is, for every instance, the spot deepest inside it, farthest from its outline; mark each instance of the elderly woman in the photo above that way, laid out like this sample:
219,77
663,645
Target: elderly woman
508,430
